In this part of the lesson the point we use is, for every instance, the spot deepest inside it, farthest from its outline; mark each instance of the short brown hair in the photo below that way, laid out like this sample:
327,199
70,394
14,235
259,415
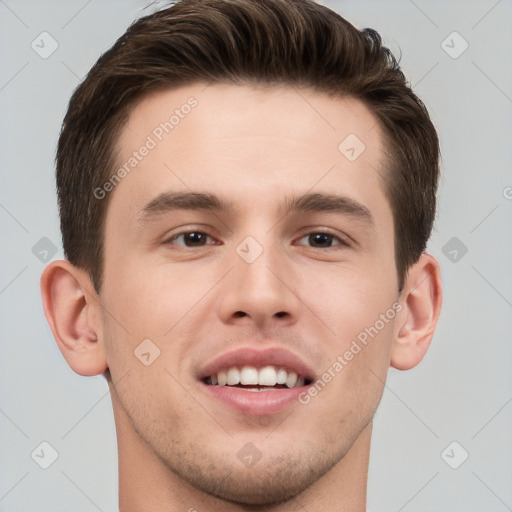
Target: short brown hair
274,42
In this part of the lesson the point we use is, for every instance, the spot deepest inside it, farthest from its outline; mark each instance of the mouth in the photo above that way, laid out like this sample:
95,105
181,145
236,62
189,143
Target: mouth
256,381
251,378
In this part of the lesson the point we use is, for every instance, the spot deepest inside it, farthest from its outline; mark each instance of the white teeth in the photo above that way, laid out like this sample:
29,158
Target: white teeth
268,376
281,376
233,377
249,375
260,389
291,380
223,378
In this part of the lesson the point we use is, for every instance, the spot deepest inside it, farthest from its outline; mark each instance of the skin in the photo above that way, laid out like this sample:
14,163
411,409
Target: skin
252,146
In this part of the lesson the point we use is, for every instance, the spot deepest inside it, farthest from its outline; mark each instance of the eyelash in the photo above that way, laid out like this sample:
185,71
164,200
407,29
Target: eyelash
340,241
183,233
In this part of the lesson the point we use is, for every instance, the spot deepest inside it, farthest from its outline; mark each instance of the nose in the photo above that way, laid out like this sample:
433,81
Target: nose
260,292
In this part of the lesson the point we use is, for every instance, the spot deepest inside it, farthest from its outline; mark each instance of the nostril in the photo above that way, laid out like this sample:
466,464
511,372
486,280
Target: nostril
240,314
281,314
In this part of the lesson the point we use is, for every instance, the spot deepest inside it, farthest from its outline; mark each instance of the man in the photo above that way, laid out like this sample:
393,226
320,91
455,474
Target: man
246,190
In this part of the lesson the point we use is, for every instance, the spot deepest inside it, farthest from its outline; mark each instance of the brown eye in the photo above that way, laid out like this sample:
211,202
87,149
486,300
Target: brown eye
320,240
191,239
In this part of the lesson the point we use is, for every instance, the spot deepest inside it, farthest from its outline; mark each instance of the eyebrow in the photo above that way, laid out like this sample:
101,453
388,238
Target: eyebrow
169,201
329,203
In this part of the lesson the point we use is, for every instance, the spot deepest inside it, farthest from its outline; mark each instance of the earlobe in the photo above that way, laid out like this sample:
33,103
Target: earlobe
71,308
421,299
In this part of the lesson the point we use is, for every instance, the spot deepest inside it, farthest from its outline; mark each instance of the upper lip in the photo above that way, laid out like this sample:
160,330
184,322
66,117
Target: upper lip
251,356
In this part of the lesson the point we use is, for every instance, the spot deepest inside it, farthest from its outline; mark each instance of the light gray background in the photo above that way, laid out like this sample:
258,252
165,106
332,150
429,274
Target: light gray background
463,389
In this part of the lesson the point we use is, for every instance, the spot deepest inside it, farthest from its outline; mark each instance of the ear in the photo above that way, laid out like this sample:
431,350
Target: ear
72,308
421,299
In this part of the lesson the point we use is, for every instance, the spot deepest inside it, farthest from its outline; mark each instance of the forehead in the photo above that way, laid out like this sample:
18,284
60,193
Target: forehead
252,142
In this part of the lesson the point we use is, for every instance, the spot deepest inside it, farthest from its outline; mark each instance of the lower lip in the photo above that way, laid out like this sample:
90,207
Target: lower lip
255,403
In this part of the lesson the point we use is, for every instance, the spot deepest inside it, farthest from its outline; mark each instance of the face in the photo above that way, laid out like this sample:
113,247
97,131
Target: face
250,243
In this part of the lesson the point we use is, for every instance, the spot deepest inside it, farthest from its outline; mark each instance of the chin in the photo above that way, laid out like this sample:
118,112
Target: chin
271,481
257,487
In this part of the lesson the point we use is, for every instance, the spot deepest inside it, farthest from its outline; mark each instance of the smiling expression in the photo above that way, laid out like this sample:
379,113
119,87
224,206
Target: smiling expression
251,252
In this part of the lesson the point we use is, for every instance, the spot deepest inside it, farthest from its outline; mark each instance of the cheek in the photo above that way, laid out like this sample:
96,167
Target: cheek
357,312
149,318
349,298
150,300
155,406
142,370
352,384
